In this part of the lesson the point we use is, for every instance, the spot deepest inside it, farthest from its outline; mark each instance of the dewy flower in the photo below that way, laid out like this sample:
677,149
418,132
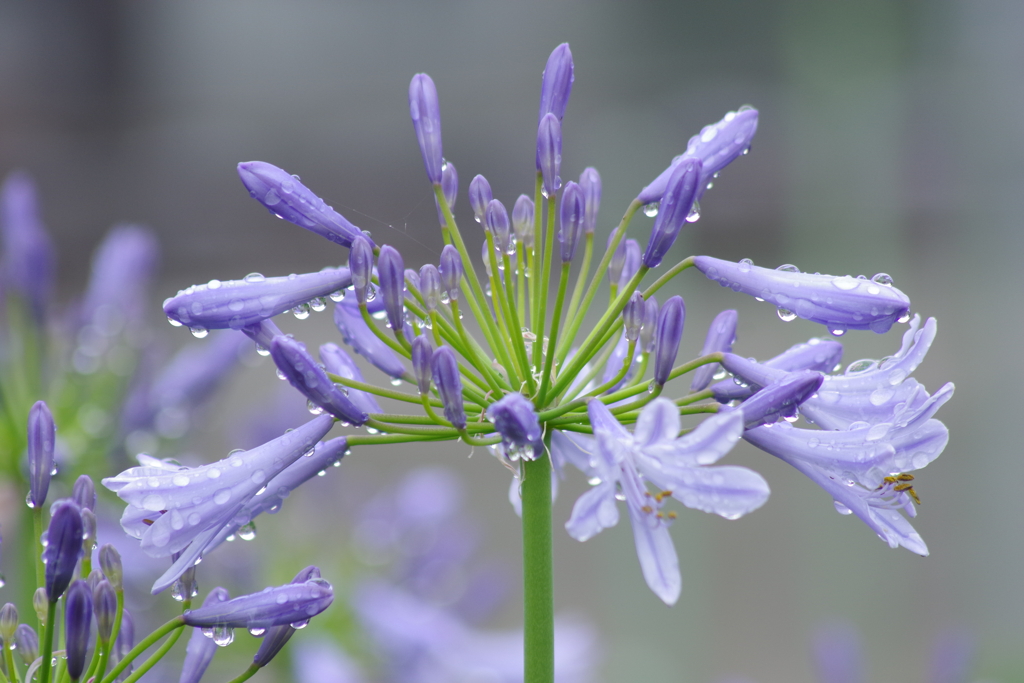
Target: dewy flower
590,181
721,337
556,82
549,152
780,399
337,362
392,286
516,420
572,215
666,337
277,636
77,622
619,463
840,303
362,340
42,435
200,650
63,547
292,603
426,120
303,373
821,355
480,196
675,206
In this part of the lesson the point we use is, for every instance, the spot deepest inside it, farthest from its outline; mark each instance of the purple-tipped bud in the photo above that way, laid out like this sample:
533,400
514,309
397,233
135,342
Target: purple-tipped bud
200,649
42,435
27,642
40,603
649,325
336,361
276,637
426,120
125,639
522,220
549,153
234,304
590,181
391,272
496,222
480,196
451,271
110,563
721,337
303,373
430,286
84,492
674,208
422,355
104,603
556,82
449,188
287,198
516,420
363,341
28,255
64,547
618,260
122,268
94,578
292,603
445,371
360,265
412,280
780,399
716,146
632,262
88,532
571,214
77,622
8,622
666,338
633,316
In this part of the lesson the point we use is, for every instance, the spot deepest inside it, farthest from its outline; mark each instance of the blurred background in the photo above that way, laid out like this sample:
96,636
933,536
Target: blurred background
889,140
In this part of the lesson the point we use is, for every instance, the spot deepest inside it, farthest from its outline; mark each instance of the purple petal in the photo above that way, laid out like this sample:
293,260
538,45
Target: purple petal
657,555
721,337
658,422
303,373
780,399
594,511
549,153
705,445
816,354
28,256
426,120
571,217
675,206
556,82
338,362
291,603
363,341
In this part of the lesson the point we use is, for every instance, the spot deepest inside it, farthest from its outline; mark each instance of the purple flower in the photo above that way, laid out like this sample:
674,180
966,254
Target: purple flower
287,198
450,268
633,316
426,120
236,304
391,271
27,642
42,435
277,636
360,264
716,146
549,153
110,564
64,547
430,286
422,354
319,659
303,373
122,268
780,399
556,82
445,370
480,196
816,354
337,362
104,601
721,337
590,181
293,603
28,256
516,420
496,222
363,341
839,654
620,462
571,216
625,265
77,622
839,303
666,337
649,325
263,334
200,650
675,206
522,220
84,492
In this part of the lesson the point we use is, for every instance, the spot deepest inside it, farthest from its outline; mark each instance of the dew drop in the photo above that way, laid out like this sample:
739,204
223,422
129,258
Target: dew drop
883,279
786,315
222,496
301,312
318,304
254,277
198,331
788,268
173,322
651,210
905,318
247,532
842,509
223,635
694,215
837,330
257,632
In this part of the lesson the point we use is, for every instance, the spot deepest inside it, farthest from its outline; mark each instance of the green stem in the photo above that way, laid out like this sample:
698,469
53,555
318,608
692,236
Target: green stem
175,623
372,324
37,525
581,279
9,658
668,275
379,391
475,355
545,280
538,597
47,649
245,675
517,334
501,310
545,380
535,267
155,657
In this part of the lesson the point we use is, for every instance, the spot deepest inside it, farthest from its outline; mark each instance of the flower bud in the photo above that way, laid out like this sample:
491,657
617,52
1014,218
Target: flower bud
496,222
522,220
42,434
391,273
549,153
88,532
449,183
39,604
125,639
94,578
303,373
276,636
667,336
84,493
675,206
721,337
363,341
412,279
590,181
430,286
632,262
633,316
571,220
422,354
104,603
110,563
77,622
64,547
649,325
200,650
360,265
618,260
8,622
28,258
27,642
289,604
479,196
780,399
516,420
426,120
556,82
336,361
451,271
445,370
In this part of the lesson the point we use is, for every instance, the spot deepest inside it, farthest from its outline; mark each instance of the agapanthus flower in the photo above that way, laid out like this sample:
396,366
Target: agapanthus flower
292,603
200,650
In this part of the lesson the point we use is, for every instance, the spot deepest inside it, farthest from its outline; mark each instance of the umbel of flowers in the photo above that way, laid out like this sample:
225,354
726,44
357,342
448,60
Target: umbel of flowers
546,369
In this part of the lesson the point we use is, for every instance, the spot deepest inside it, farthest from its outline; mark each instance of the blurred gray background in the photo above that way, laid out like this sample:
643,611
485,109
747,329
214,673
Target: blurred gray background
890,140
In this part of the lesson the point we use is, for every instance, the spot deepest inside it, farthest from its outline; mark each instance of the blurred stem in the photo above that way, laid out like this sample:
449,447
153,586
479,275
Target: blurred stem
37,525
47,644
538,593
174,624
245,675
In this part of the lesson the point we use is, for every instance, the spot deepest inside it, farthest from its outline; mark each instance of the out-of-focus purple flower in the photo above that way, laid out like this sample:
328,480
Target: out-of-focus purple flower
200,650
122,268
293,603
318,659
27,643
363,341
276,637
287,198
430,286
303,373
125,641
549,153
445,370
63,548
422,354
338,362
391,272
42,436
170,506
516,420
28,258
675,206
816,354
671,318
77,622
839,654
716,146
480,196
522,220
104,601
426,120
236,304
780,399
590,181
84,492
649,325
621,462
633,316
618,259
840,303
360,264
952,656
449,187
110,564
556,82
721,337
8,622
450,268
631,261
496,222
571,216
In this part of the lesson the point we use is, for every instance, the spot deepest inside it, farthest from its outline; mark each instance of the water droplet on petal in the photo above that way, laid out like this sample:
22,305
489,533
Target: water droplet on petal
651,210
786,315
883,279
